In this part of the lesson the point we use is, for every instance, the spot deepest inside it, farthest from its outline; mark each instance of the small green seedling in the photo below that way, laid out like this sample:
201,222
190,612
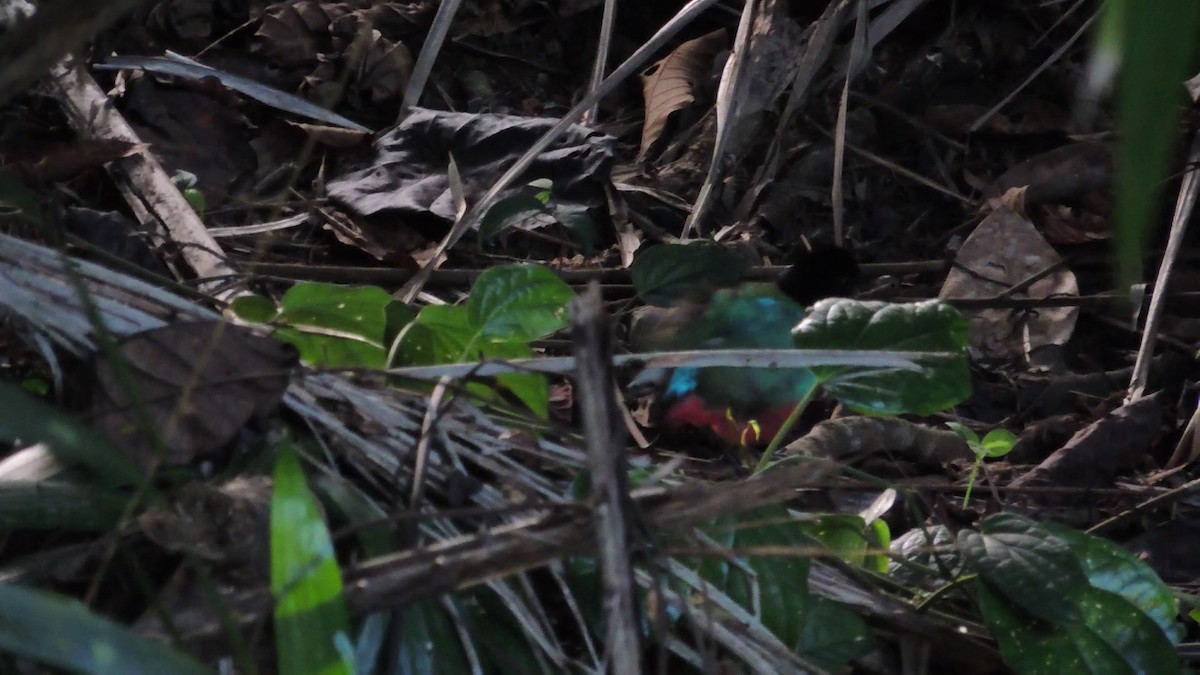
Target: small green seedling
538,199
996,444
185,182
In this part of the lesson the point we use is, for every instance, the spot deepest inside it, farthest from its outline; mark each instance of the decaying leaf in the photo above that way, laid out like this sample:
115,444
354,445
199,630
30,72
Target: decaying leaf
1006,250
407,173
196,383
670,85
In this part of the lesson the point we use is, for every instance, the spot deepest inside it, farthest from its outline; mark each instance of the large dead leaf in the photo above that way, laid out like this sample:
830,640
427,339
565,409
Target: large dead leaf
1003,251
670,85
197,383
407,174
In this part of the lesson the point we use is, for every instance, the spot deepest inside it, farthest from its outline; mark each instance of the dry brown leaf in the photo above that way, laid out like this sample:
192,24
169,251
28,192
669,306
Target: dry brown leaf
1003,251
670,85
197,383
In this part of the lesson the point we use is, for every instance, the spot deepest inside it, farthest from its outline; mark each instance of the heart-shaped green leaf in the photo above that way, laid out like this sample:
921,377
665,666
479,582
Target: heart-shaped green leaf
518,302
1026,565
254,308
668,272
931,327
508,212
1112,568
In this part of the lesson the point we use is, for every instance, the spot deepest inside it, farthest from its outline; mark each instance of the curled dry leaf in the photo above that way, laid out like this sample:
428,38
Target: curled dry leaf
1006,250
1063,191
671,84
197,384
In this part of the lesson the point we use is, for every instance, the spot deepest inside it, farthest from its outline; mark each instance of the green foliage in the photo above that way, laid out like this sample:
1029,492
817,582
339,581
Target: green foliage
312,626
31,421
508,307
774,588
667,273
933,329
186,182
331,325
1061,601
539,200
354,326
63,633
1155,41
996,444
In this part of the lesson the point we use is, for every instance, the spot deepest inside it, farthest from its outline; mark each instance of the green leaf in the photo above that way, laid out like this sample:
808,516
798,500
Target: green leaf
63,633
254,308
833,635
440,334
966,433
1112,568
312,626
352,310
1159,41
28,420
508,212
575,218
666,273
1111,636
532,389
429,643
1031,646
997,443
1027,565
518,302
397,316
332,351
336,326
844,534
931,327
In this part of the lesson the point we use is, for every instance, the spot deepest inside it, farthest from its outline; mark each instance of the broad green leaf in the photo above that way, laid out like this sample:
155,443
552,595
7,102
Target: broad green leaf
429,643
1158,41
777,591
397,316
833,635
531,388
57,631
1027,565
518,302
1031,646
844,534
669,272
1112,568
312,626
336,326
931,327
1110,636
254,308
921,555
352,310
508,212
575,218
28,420
333,351
441,334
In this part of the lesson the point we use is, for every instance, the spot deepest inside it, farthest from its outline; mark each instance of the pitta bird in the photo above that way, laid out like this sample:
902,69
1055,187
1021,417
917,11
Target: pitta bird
742,406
